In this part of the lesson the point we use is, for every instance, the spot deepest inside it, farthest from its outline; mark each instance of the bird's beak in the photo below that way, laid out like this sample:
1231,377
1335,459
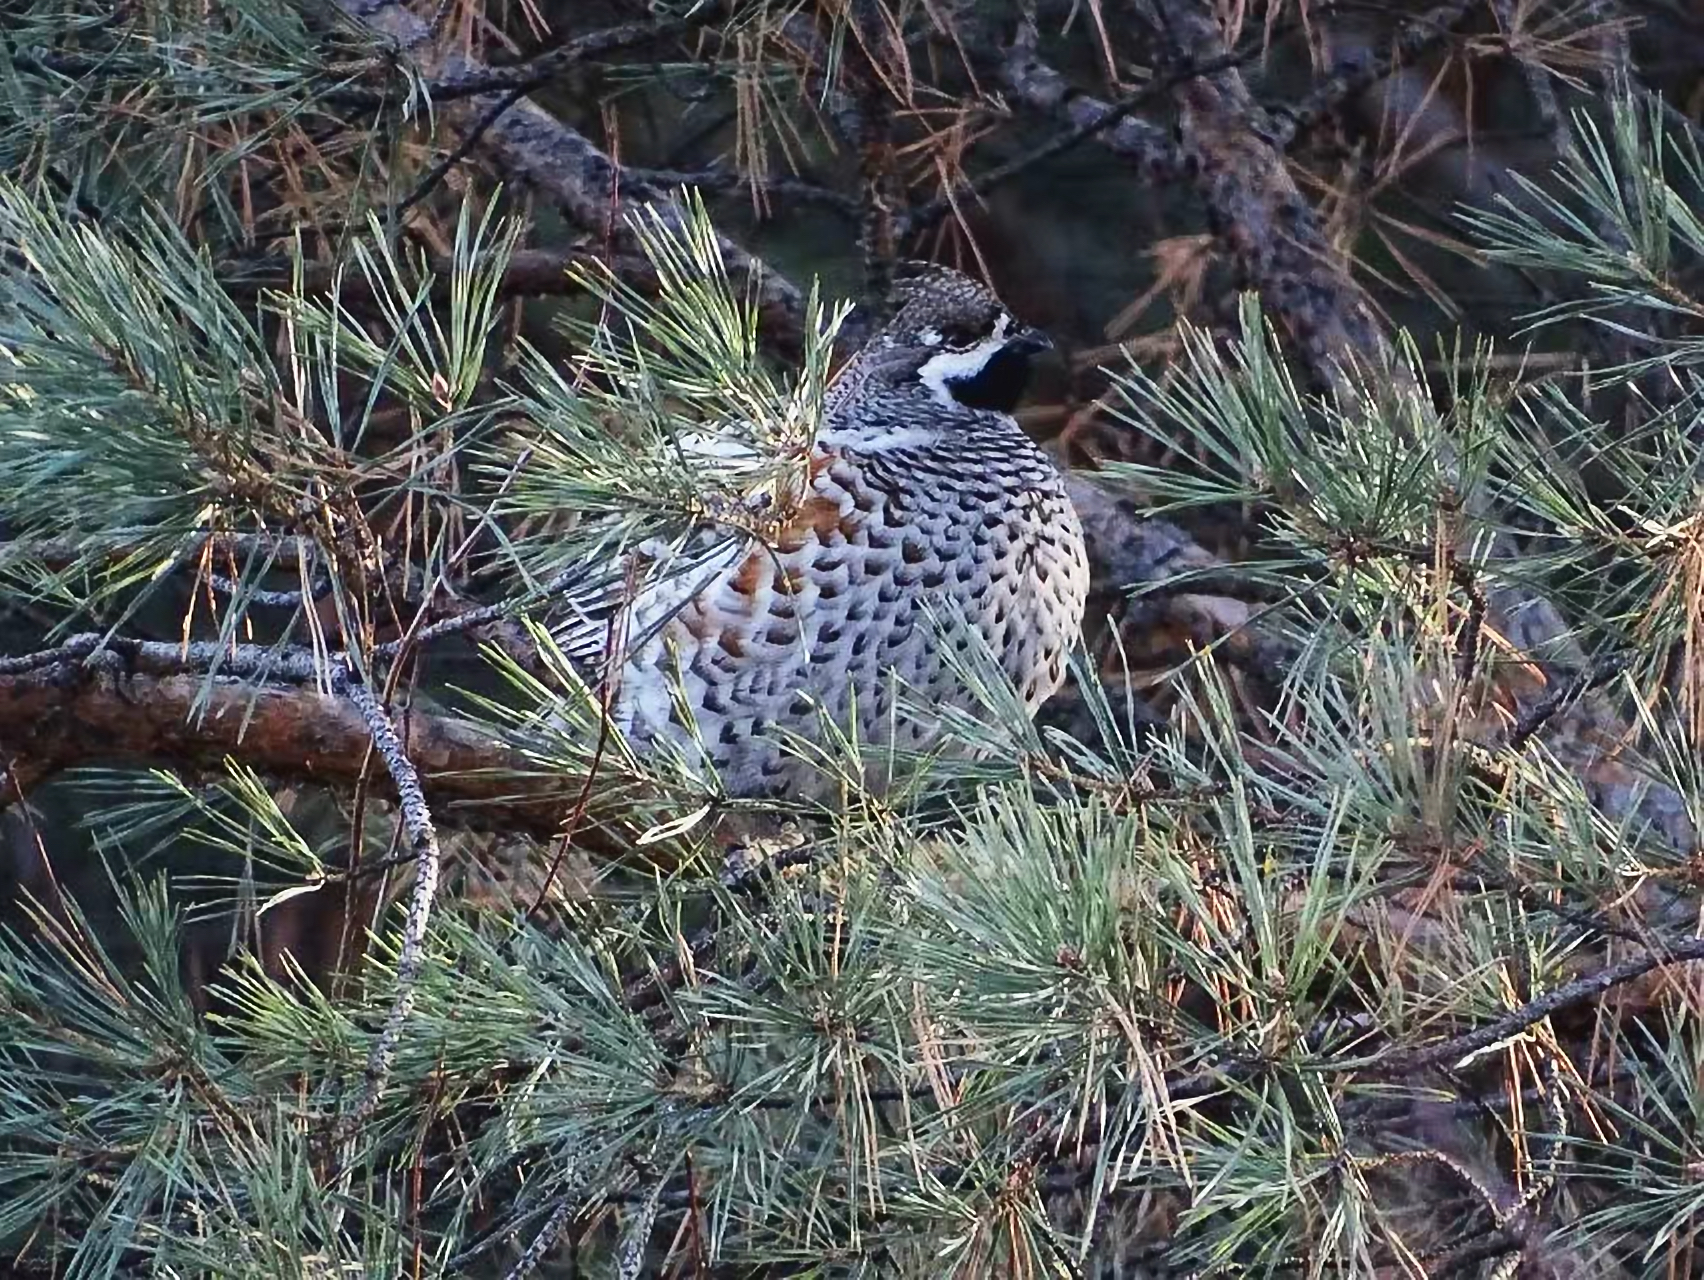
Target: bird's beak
1029,342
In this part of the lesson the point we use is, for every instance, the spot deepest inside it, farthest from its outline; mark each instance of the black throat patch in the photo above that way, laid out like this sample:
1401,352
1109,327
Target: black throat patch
998,385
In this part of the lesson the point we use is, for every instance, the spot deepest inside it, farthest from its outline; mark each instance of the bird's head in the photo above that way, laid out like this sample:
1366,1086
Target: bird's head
951,337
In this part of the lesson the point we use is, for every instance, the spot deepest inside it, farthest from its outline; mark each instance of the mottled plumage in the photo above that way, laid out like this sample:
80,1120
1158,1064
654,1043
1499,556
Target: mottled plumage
922,490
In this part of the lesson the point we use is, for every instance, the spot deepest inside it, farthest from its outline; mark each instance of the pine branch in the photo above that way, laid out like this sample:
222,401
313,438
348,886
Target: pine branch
465,146
1274,239
1567,694
531,145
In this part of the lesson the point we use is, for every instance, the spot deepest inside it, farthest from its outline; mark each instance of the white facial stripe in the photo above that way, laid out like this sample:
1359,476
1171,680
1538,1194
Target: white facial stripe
952,366
930,337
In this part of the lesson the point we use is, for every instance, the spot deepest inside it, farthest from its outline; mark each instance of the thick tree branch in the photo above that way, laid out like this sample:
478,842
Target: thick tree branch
1267,227
144,702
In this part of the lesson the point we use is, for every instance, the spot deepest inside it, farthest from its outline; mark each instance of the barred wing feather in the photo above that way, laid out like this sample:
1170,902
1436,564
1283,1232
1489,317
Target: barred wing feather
628,611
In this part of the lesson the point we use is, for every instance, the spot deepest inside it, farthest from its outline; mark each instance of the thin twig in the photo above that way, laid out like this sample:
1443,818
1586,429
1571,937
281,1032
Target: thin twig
461,151
1094,119
1497,1243
1413,41
257,595
615,643
423,839
539,70
1564,696
527,273
484,614
1043,88
544,1241
721,181
630,1257
1580,991
74,648
159,657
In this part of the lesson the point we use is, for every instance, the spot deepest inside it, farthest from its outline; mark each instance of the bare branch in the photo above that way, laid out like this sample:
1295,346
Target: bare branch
1043,88
529,273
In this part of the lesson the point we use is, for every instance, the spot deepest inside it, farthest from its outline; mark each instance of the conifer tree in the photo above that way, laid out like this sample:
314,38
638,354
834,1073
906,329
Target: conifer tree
1341,918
